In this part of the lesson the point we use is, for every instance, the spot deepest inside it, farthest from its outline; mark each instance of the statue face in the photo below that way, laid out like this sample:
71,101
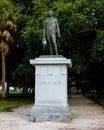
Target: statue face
50,13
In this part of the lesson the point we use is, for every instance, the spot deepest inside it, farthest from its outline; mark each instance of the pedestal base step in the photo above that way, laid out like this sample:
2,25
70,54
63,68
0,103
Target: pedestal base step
50,113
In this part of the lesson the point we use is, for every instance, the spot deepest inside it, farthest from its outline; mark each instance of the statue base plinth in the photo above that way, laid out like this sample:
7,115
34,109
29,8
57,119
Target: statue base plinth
51,102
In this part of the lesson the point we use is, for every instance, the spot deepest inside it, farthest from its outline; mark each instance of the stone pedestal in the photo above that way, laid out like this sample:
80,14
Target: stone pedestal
50,89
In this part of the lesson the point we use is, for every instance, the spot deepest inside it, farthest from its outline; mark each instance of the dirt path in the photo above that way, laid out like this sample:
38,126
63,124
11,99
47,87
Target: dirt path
86,115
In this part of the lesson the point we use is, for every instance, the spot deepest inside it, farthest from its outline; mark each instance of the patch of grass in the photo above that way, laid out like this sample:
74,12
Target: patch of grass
97,98
12,102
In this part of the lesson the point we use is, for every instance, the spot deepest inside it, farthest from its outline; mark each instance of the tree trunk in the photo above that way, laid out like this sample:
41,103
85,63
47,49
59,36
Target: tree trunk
3,94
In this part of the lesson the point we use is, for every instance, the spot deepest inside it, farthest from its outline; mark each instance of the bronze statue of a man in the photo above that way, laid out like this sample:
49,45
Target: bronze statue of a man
51,30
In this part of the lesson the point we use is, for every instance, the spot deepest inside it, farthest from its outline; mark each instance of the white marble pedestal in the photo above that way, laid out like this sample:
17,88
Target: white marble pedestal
50,89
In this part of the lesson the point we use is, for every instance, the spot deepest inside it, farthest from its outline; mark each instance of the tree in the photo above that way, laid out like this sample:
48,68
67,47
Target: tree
23,77
79,34
6,26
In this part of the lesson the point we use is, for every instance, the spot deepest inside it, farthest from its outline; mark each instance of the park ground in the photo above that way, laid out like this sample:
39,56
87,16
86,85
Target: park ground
86,115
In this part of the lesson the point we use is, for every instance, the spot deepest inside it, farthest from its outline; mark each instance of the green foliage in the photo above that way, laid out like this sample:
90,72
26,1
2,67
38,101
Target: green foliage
80,40
33,32
98,47
6,9
22,76
74,31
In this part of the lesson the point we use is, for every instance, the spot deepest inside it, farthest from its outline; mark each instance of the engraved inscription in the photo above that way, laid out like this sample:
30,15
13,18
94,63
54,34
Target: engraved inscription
51,83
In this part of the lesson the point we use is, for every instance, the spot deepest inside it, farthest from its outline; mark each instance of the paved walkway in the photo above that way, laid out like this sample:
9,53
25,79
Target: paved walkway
86,115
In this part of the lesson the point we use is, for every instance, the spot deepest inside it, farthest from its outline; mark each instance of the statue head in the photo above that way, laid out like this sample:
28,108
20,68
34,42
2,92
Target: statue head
50,13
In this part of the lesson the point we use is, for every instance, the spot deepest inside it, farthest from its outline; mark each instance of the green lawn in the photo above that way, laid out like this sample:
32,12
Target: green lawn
97,98
17,101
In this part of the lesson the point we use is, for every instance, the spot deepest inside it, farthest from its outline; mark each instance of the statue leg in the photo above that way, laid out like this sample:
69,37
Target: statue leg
51,49
50,44
54,44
